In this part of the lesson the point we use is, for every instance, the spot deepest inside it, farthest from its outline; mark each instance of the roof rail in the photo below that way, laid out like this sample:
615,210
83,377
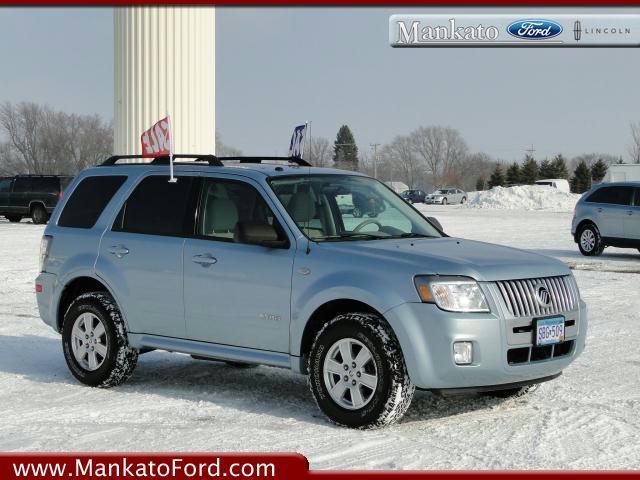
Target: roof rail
298,161
163,160
211,160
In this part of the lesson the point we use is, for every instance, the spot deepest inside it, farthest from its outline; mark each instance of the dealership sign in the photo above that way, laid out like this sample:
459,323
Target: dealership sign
561,30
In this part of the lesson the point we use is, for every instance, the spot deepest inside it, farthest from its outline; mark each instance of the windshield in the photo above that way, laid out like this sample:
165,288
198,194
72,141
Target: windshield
348,207
441,192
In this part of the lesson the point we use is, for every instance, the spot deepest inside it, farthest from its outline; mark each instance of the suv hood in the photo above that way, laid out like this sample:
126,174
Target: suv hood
454,256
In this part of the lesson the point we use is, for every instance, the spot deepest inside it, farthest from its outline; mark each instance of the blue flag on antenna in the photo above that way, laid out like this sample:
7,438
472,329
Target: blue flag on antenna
296,146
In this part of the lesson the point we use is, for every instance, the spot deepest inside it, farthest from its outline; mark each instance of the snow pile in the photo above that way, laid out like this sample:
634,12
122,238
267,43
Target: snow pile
525,197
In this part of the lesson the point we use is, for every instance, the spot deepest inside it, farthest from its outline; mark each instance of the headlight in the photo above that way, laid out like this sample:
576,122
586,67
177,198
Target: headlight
454,294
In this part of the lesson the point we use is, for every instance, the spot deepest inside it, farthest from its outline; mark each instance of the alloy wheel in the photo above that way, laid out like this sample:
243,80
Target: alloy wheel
587,240
89,341
350,374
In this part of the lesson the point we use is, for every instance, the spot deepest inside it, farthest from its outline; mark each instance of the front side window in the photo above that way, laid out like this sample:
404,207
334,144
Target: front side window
226,203
158,207
344,207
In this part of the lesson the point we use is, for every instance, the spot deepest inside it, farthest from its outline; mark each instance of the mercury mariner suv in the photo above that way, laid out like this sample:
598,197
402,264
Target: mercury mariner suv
251,261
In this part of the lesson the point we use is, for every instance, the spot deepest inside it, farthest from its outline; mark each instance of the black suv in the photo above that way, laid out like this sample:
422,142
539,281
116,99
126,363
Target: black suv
32,196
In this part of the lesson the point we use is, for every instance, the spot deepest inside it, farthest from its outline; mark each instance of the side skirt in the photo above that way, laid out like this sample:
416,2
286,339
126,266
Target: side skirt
214,351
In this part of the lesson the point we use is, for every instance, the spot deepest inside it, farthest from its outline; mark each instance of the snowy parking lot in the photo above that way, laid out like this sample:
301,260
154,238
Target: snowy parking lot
589,418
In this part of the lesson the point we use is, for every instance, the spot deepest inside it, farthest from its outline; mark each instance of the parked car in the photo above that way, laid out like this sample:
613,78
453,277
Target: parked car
561,184
608,215
257,265
414,196
446,196
32,196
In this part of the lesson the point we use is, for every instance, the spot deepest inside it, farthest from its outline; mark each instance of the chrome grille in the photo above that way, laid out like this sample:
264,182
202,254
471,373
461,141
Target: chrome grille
520,296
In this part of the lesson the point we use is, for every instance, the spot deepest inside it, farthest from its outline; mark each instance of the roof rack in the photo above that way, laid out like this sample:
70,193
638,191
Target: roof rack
211,160
163,160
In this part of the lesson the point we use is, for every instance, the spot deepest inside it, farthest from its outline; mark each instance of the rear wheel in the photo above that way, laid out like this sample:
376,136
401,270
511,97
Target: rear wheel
94,341
39,215
357,372
590,241
464,200
13,218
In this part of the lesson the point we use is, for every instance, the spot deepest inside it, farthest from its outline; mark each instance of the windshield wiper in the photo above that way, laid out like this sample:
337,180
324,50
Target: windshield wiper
412,235
350,236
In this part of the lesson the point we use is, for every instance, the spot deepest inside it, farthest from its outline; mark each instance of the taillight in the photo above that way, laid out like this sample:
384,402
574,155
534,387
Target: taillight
60,195
45,247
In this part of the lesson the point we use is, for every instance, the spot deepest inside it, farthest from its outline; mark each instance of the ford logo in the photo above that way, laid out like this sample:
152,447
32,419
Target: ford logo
534,29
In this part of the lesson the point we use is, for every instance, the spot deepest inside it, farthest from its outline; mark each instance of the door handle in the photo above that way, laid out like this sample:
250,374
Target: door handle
629,212
599,210
205,260
118,250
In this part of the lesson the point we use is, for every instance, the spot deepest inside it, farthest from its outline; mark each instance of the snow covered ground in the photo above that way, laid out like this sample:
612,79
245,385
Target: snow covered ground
524,197
589,418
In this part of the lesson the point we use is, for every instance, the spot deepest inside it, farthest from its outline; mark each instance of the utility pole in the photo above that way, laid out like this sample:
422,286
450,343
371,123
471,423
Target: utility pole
375,158
531,150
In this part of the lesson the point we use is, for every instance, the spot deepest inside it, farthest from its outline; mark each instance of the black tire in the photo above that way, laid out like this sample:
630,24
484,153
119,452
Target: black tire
511,392
444,201
357,213
120,360
394,390
589,230
39,215
13,218
463,201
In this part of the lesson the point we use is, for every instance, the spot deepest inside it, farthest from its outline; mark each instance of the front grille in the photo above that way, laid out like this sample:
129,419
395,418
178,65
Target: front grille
521,299
538,353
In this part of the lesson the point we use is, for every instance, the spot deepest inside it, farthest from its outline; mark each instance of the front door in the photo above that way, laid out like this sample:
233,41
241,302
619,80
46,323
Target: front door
236,294
141,255
612,205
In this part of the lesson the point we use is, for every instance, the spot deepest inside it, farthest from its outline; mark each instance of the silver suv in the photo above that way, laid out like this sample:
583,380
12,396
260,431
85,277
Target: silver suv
252,261
607,215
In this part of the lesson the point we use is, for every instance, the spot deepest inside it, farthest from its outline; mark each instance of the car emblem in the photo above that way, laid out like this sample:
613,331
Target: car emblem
543,296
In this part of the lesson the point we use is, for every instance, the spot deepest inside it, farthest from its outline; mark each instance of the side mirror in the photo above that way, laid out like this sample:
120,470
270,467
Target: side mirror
258,233
435,223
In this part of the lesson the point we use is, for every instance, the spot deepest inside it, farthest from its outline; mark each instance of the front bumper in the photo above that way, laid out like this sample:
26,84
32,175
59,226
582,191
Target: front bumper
426,335
433,200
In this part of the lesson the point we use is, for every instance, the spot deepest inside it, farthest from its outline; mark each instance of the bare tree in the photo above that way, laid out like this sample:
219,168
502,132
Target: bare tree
223,150
42,140
320,152
634,147
401,155
442,149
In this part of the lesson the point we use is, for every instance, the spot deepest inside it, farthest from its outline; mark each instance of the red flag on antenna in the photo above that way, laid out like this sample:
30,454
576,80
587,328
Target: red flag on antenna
156,141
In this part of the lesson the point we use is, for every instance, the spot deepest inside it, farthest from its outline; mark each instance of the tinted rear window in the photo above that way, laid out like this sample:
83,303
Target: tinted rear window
157,207
22,184
45,184
612,195
88,201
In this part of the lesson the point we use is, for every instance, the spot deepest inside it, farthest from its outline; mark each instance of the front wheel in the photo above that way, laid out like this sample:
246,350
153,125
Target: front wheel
357,212
444,201
94,341
590,241
463,201
357,372
13,218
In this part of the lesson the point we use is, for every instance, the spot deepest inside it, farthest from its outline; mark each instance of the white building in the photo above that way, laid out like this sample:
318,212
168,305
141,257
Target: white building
623,172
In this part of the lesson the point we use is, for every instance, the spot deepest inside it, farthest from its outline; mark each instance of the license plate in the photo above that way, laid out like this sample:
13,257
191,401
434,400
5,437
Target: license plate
549,330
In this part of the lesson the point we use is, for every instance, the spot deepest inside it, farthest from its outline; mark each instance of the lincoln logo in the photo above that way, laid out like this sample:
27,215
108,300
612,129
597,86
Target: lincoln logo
543,296
577,30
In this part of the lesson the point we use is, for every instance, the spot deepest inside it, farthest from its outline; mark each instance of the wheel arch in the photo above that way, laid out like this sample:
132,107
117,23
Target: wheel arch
34,203
72,290
583,222
326,312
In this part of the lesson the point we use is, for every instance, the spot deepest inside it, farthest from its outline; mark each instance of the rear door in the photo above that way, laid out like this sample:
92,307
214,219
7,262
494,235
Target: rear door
632,220
610,207
19,202
236,294
142,253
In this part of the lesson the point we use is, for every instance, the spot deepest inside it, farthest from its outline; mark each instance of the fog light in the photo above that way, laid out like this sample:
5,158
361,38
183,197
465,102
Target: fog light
463,353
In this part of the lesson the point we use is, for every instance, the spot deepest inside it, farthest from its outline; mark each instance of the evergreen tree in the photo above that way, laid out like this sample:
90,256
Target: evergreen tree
598,170
581,180
546,169
559,167
345,151
497,177
513,174
480,184
529,171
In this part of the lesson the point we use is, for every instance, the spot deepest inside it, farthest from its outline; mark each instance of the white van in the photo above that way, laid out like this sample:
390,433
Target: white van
559,183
